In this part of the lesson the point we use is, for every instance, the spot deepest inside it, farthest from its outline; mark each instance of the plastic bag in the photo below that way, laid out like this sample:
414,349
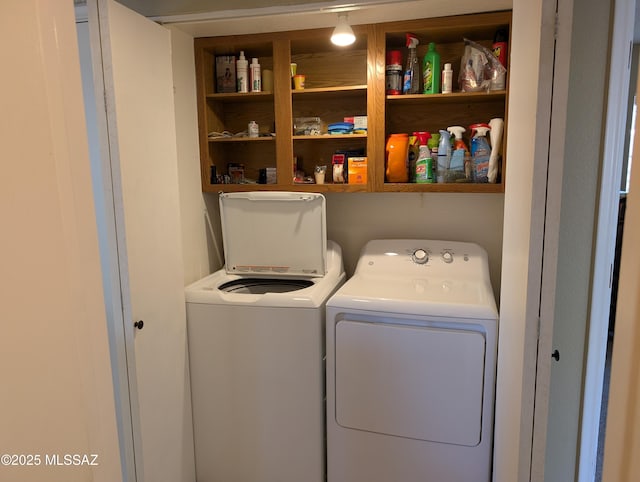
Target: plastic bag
480,70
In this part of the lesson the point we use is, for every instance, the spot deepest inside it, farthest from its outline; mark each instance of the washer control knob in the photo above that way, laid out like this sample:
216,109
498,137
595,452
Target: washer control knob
420,256
447,257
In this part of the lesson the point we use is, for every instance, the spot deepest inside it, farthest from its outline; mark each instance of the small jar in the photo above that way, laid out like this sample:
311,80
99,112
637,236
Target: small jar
253,129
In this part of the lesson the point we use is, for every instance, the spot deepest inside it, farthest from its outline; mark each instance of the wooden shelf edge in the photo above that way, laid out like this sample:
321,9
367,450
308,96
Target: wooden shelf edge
444,188
329,136
322,90
454,96
215,188
242,139
240,95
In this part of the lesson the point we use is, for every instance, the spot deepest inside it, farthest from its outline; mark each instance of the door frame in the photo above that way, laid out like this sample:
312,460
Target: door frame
612,161
621,29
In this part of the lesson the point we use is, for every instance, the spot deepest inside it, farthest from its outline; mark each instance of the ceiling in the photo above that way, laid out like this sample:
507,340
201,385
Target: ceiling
165,8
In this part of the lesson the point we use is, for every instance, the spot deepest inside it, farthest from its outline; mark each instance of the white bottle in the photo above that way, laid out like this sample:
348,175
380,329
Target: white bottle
253,129
447,79
256,78
241,73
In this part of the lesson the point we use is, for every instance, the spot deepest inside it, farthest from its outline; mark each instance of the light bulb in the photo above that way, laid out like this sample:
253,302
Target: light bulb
343,34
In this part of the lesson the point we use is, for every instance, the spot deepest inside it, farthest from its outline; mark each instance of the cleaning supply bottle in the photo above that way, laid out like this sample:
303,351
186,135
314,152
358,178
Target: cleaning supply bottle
414,148
433,143
447,79
397,150
431,70
480,151
424,164
241,73
444,156
497,128
256,77
393,73
458,154
411,84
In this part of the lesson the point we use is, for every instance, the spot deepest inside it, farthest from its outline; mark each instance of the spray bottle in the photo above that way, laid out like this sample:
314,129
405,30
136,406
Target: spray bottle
459,150
444,156
411,83
424,164
480,151
497,127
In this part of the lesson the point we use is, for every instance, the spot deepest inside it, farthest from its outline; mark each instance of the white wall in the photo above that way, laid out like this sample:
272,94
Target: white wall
355,218
57,394
527,146
195,252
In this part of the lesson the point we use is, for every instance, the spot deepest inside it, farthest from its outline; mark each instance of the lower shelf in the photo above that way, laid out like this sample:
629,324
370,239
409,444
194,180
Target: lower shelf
448,187
286,187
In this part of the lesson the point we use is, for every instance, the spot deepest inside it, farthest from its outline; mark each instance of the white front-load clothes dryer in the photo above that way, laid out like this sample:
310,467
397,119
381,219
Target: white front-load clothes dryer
411,361
256,342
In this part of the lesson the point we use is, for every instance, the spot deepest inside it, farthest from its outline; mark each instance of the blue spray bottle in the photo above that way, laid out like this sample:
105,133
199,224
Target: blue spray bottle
444,156
480,151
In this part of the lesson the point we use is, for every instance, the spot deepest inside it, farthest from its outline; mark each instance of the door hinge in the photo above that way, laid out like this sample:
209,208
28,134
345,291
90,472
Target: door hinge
555,27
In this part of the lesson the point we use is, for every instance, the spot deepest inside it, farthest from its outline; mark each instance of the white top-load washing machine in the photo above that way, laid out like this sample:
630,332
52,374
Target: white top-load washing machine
411,360
256,341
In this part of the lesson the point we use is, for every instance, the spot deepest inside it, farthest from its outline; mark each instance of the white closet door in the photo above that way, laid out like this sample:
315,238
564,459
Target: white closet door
137,72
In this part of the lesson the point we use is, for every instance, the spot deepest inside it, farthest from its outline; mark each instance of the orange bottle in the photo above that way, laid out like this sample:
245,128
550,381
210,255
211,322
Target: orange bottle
397,151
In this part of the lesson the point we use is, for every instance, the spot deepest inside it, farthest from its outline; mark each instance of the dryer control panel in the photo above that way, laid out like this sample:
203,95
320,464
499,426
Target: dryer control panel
420,257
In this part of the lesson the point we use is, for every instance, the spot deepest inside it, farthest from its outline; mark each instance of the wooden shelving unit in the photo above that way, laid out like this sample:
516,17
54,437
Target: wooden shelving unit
340,82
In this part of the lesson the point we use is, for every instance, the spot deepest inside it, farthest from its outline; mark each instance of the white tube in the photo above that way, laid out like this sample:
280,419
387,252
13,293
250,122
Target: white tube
497,126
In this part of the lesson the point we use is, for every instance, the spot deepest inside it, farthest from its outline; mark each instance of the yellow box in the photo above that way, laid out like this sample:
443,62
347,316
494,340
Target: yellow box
357,170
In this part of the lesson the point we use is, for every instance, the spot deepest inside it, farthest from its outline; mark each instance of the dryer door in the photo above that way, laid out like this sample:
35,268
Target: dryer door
417,382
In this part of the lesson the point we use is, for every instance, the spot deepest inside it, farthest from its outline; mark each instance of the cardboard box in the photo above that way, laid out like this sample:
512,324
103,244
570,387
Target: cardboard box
225,73
271,175
357,168
359,122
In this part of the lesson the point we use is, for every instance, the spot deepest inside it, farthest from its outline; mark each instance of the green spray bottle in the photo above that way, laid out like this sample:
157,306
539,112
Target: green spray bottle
431,70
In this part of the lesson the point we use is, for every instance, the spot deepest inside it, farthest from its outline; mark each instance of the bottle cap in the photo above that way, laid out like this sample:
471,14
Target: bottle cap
254,61
242,55
447,67
394,57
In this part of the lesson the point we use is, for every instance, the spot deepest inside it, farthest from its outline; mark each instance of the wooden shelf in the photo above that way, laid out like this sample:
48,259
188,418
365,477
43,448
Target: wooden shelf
241,139
329,187
454,97
444,187
328,137
241,97
340,82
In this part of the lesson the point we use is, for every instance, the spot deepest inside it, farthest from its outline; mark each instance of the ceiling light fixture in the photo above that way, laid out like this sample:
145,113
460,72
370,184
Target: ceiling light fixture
343,34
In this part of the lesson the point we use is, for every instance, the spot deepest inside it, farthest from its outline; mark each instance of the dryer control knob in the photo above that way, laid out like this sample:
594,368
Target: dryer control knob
447,257
420,256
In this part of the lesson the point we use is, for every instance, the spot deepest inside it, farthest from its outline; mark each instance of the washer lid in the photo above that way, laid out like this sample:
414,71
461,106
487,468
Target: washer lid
274,233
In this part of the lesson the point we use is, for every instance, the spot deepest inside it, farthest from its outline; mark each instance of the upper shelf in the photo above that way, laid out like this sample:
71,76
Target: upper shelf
234,97
453,97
